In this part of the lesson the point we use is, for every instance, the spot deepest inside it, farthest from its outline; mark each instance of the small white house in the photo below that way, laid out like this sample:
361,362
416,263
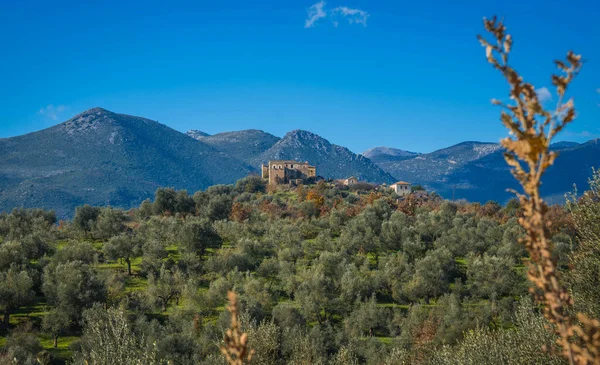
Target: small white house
401,188
351,181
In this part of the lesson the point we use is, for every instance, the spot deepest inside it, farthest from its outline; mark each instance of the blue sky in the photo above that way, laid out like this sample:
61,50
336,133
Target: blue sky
405,74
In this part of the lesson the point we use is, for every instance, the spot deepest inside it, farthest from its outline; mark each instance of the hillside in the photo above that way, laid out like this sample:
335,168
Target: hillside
104,158
255,147
489,177
435,166
100,157
477,171
332,161
353,265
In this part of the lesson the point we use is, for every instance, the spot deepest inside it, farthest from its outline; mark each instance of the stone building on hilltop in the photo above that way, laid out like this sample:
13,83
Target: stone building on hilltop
281,172
401,188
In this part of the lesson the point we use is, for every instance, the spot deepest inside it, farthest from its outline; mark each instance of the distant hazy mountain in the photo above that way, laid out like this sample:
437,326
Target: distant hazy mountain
564,144
477,171
332,161
436,166
489,177
388,154
100,157
104,158
245,145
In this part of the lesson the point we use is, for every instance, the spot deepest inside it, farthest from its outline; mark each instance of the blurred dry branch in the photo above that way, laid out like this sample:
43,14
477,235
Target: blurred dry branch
235,350
531,130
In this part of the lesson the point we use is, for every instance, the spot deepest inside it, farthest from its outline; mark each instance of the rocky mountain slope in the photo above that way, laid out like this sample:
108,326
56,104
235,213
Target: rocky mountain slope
436,166
196,134
489,177
100,157
332,161
104,158
477,171
245,145
255,147
388,154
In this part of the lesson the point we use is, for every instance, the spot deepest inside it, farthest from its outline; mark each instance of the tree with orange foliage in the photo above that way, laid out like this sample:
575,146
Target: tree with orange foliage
317,198
239,213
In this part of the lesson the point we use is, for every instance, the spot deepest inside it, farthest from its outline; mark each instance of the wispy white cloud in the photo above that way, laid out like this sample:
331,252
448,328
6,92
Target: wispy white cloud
544,94
53,112
354,16
317,11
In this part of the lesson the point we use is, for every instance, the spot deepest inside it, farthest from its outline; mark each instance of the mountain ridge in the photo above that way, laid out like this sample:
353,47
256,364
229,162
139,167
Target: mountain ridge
101,157
332,161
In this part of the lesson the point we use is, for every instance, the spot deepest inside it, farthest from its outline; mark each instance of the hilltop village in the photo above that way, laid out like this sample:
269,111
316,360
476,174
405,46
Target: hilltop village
295,173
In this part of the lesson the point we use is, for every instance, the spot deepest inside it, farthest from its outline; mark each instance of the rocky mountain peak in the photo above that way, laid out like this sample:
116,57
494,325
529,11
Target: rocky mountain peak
197,134
89,120
300,138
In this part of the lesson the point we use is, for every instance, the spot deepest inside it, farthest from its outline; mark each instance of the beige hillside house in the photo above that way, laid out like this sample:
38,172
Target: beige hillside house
281,172
401,188
351,181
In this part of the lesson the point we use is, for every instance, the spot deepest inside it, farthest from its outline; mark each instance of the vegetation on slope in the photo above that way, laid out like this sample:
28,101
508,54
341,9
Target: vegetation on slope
323,275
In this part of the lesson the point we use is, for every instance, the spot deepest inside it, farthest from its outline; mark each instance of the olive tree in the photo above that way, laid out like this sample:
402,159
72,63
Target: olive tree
71,287
85,218
124,247
109,339
166,286
16,290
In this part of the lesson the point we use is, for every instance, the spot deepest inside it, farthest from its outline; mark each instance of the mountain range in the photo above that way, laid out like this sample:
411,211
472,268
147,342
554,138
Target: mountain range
255,147
103,158
477,171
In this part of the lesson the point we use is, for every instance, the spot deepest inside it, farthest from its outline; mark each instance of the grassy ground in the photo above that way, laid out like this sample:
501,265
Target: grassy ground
62,352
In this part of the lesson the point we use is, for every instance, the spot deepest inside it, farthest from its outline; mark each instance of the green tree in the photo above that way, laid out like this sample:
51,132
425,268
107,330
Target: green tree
365,319
490,276
184,203
71,287
198,234
416,187
251,184
165,287
145,210
219,207
16,290
85,218
433,275
22,347
110,222
56,322
584,276
165,201
12,252
109,339
124,247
